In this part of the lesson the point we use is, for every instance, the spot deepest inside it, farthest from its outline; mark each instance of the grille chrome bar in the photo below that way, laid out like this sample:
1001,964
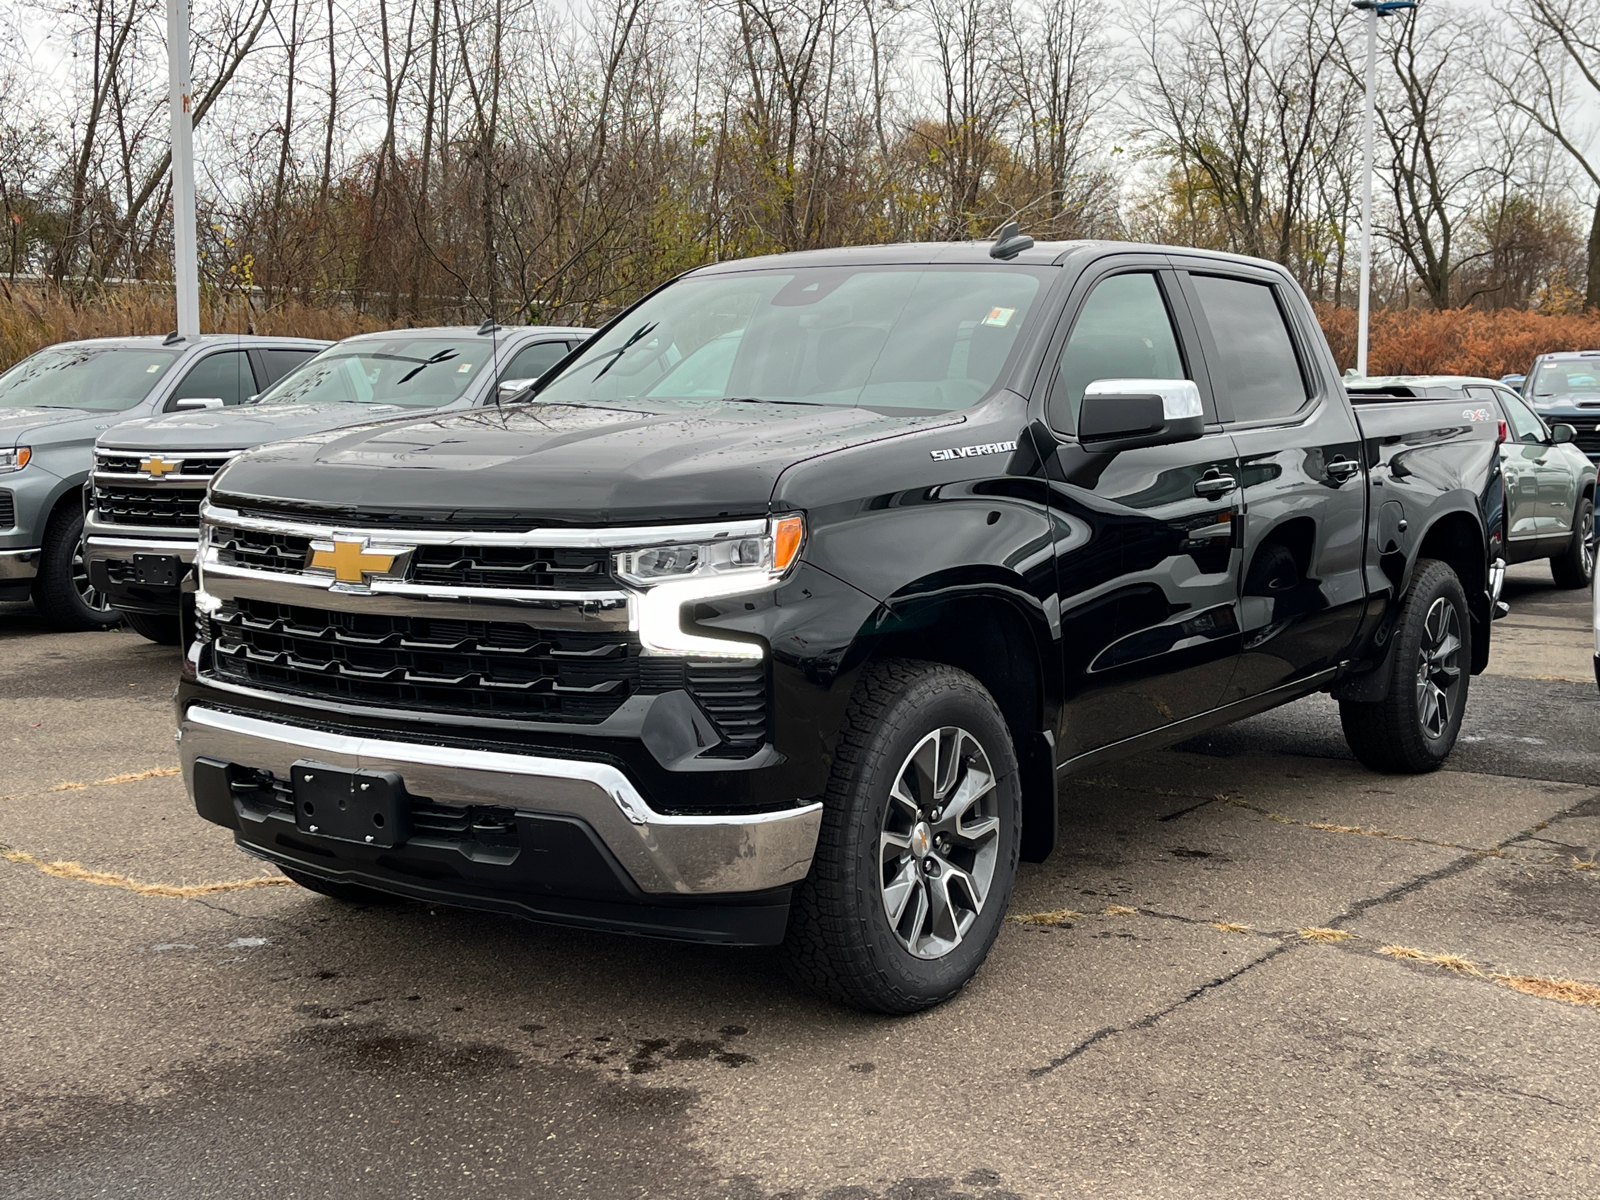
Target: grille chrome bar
560,538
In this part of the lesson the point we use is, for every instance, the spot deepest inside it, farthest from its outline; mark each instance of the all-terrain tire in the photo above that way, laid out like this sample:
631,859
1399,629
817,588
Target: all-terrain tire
1574,566
1396,734
350,893
160,629
841,942
61,591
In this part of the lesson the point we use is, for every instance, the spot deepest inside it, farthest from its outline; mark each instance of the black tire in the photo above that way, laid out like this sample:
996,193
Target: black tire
61,591
1397,735
160,629
350,893
1574,567
841,942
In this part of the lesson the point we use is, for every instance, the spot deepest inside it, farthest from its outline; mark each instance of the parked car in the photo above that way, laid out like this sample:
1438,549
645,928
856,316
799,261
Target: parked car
150,475
1550,482
53,404
1595,598
1565,389
1514,382
779,610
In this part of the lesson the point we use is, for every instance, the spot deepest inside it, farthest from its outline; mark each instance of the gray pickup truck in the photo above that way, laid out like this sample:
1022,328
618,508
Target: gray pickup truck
150,475
53,404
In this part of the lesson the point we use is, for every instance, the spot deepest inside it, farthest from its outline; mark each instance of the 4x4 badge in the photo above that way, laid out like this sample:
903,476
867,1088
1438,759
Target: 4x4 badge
352,562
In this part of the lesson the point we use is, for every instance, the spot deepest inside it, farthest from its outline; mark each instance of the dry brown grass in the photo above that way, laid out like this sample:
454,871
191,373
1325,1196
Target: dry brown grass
1056,916
1401,952
1321,933
1568,991
131,777
1230,927
77,871
32,317
1121,910
1455,962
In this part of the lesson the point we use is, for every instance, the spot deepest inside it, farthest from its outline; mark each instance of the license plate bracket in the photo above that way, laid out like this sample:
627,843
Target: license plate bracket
158,570
369,807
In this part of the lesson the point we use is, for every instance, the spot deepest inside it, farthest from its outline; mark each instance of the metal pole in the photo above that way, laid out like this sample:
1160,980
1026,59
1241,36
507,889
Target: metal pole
1366,193
185,259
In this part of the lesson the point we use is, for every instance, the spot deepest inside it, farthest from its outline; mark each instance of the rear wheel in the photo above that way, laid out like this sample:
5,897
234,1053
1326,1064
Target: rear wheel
1574,567
918,849
350,893
1414,727
62,592
158,628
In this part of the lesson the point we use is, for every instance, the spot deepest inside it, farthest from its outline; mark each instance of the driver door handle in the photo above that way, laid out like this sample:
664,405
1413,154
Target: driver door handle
1213,484
1341,469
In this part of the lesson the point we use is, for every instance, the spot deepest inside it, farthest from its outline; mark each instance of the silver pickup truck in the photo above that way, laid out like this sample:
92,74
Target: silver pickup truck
54,403
150,476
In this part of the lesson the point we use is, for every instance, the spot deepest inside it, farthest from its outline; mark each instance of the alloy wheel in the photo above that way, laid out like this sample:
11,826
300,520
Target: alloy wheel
940,842
1439,668
80,581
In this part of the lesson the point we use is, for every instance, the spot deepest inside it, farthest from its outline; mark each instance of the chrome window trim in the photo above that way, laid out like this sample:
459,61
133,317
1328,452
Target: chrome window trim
555,539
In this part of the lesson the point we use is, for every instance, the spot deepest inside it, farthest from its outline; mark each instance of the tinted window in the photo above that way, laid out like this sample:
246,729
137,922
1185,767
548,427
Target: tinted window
100,378
533,361
1123,332
1256,366
881,337
1525,426
226,376
1569,378
280,362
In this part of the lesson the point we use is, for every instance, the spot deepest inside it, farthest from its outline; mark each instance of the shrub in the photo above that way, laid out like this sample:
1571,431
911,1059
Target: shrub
1459,341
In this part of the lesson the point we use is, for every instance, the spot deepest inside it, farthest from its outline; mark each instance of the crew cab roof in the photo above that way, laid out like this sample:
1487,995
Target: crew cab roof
156,341
1040,254
466,331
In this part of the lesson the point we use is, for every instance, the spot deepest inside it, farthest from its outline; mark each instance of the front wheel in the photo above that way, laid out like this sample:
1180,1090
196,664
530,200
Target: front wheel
1574,567
918,850
1414,727
62,592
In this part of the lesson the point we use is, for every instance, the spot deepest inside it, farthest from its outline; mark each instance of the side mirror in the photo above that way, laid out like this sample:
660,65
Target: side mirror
510,389
1125,414
194,402
1562,433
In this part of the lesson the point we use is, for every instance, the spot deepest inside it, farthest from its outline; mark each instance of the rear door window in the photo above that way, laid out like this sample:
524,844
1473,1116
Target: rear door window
1256,366
1525,427
280,362
533,361
225,376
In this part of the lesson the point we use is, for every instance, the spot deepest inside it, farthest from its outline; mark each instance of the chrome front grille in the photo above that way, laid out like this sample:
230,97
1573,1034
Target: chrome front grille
160,508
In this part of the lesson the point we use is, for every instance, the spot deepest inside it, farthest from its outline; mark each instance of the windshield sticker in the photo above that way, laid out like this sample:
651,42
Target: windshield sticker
973,451
1000,316
463,368
152,368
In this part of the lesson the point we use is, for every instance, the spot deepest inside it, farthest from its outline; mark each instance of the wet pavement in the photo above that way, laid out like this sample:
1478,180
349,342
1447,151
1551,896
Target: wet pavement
1252,969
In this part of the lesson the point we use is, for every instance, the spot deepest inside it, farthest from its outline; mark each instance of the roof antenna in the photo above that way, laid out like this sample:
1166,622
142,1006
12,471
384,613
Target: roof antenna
172,339
1009,242
488,326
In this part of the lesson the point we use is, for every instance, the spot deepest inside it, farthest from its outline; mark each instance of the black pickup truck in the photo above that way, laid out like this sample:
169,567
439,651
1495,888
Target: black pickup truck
783,610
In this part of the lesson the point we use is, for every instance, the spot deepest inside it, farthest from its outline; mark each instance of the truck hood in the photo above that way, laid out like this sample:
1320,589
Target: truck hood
242,427
42,426
549,464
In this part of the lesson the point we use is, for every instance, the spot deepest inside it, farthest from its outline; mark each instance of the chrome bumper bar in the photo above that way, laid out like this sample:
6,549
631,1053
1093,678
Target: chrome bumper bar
18,566
99,546
665,855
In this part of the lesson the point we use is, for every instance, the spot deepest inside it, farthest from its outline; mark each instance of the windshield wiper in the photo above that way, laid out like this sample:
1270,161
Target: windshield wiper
442,356
643,331
769,400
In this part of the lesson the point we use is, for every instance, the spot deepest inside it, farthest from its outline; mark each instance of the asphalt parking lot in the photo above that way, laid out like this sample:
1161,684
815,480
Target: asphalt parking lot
1253,969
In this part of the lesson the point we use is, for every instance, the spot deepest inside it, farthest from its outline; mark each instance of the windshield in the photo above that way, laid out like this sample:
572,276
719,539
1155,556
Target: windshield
1567,379
928,338
405,372
97,378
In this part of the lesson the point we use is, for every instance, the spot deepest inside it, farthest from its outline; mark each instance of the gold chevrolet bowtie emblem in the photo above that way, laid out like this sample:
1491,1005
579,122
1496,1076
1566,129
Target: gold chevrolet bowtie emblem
155,466
353,561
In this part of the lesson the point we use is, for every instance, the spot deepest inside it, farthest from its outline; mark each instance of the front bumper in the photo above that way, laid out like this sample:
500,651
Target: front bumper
18,566
588,849
111,554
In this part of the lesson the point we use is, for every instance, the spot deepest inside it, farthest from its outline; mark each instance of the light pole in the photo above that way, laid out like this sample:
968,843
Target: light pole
1374,9
185,257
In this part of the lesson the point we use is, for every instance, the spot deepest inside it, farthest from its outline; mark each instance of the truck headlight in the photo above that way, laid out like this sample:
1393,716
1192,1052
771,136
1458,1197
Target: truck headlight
671,576
14,459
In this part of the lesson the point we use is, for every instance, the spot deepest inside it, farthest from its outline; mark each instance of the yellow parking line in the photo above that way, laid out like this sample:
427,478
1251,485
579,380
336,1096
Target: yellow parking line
72,870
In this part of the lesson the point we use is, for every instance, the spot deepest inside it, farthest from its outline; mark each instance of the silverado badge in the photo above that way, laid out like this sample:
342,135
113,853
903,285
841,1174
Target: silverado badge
352,562
155,466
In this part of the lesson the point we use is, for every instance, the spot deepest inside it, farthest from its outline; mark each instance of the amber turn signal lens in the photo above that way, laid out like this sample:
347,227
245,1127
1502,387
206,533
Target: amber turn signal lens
787,533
